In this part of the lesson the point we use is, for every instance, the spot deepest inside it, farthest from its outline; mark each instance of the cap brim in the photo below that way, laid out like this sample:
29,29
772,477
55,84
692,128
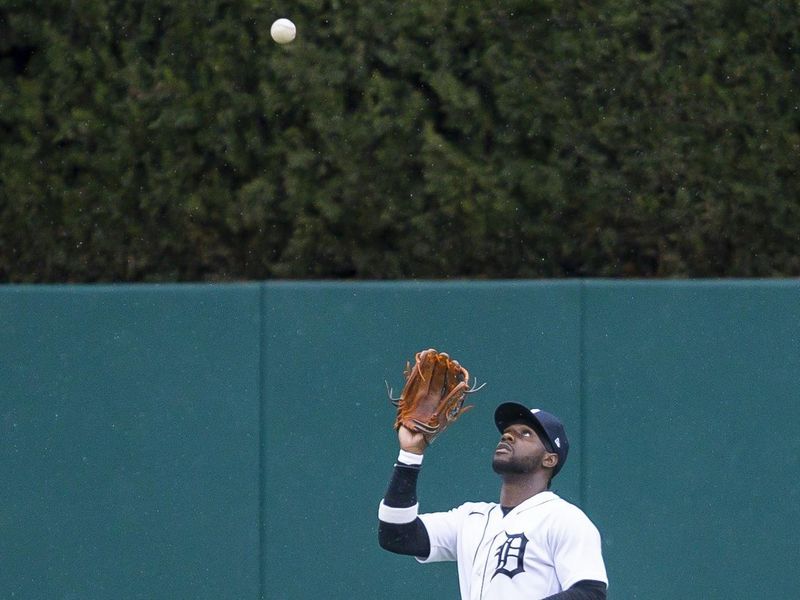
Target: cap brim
511,412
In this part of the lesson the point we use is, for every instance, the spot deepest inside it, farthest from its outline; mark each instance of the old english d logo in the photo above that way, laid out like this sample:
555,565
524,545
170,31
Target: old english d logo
511,555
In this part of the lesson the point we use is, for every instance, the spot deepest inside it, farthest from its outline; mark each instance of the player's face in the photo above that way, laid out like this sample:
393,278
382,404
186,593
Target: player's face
519,452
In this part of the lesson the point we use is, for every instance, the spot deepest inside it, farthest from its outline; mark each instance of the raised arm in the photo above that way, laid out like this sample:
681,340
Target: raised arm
400,530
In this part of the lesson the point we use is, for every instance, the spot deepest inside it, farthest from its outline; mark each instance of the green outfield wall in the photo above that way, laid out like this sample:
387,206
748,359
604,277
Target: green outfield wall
233,441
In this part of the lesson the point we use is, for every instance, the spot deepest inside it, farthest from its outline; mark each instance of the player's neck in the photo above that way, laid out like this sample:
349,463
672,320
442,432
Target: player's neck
516,489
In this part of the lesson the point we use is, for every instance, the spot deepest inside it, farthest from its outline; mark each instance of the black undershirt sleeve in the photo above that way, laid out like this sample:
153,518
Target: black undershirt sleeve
404,538
585,589
402,490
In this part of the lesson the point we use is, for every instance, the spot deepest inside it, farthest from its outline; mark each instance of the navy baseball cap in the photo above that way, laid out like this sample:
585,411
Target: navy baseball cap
549,427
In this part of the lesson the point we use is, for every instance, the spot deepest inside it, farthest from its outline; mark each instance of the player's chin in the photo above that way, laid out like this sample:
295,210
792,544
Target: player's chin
501,464
504,464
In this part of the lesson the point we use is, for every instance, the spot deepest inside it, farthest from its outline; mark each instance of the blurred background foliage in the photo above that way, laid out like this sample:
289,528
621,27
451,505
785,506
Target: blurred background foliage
175,141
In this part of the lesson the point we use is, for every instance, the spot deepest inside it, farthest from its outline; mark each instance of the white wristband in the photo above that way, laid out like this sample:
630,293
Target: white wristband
391,514
409,458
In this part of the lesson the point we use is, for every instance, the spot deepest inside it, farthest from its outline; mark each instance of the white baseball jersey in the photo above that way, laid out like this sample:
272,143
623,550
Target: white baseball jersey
542,547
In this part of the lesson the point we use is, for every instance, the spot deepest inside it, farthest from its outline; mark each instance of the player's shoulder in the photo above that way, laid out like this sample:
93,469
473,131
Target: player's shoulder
563,503
551,506
569,513
477,508
464,513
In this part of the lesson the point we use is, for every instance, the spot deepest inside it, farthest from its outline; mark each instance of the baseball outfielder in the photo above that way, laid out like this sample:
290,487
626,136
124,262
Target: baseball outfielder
531,545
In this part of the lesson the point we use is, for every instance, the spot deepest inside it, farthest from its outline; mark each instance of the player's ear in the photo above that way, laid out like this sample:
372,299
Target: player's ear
550,460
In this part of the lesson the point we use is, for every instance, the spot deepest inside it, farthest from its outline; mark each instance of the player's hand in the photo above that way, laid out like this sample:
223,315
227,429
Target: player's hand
411,441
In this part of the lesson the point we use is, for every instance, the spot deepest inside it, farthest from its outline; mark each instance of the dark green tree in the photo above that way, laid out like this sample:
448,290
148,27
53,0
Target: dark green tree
175,141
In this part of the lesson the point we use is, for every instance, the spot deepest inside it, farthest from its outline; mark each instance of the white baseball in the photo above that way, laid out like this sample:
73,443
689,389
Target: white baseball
283,31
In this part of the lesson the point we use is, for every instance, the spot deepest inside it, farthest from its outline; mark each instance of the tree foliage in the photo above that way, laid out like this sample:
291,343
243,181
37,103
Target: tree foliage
174,141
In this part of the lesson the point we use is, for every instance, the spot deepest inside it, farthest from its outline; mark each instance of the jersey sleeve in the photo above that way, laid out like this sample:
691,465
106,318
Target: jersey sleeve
577,550
443,531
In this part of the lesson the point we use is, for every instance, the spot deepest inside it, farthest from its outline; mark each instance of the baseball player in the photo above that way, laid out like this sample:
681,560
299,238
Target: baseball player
530,545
